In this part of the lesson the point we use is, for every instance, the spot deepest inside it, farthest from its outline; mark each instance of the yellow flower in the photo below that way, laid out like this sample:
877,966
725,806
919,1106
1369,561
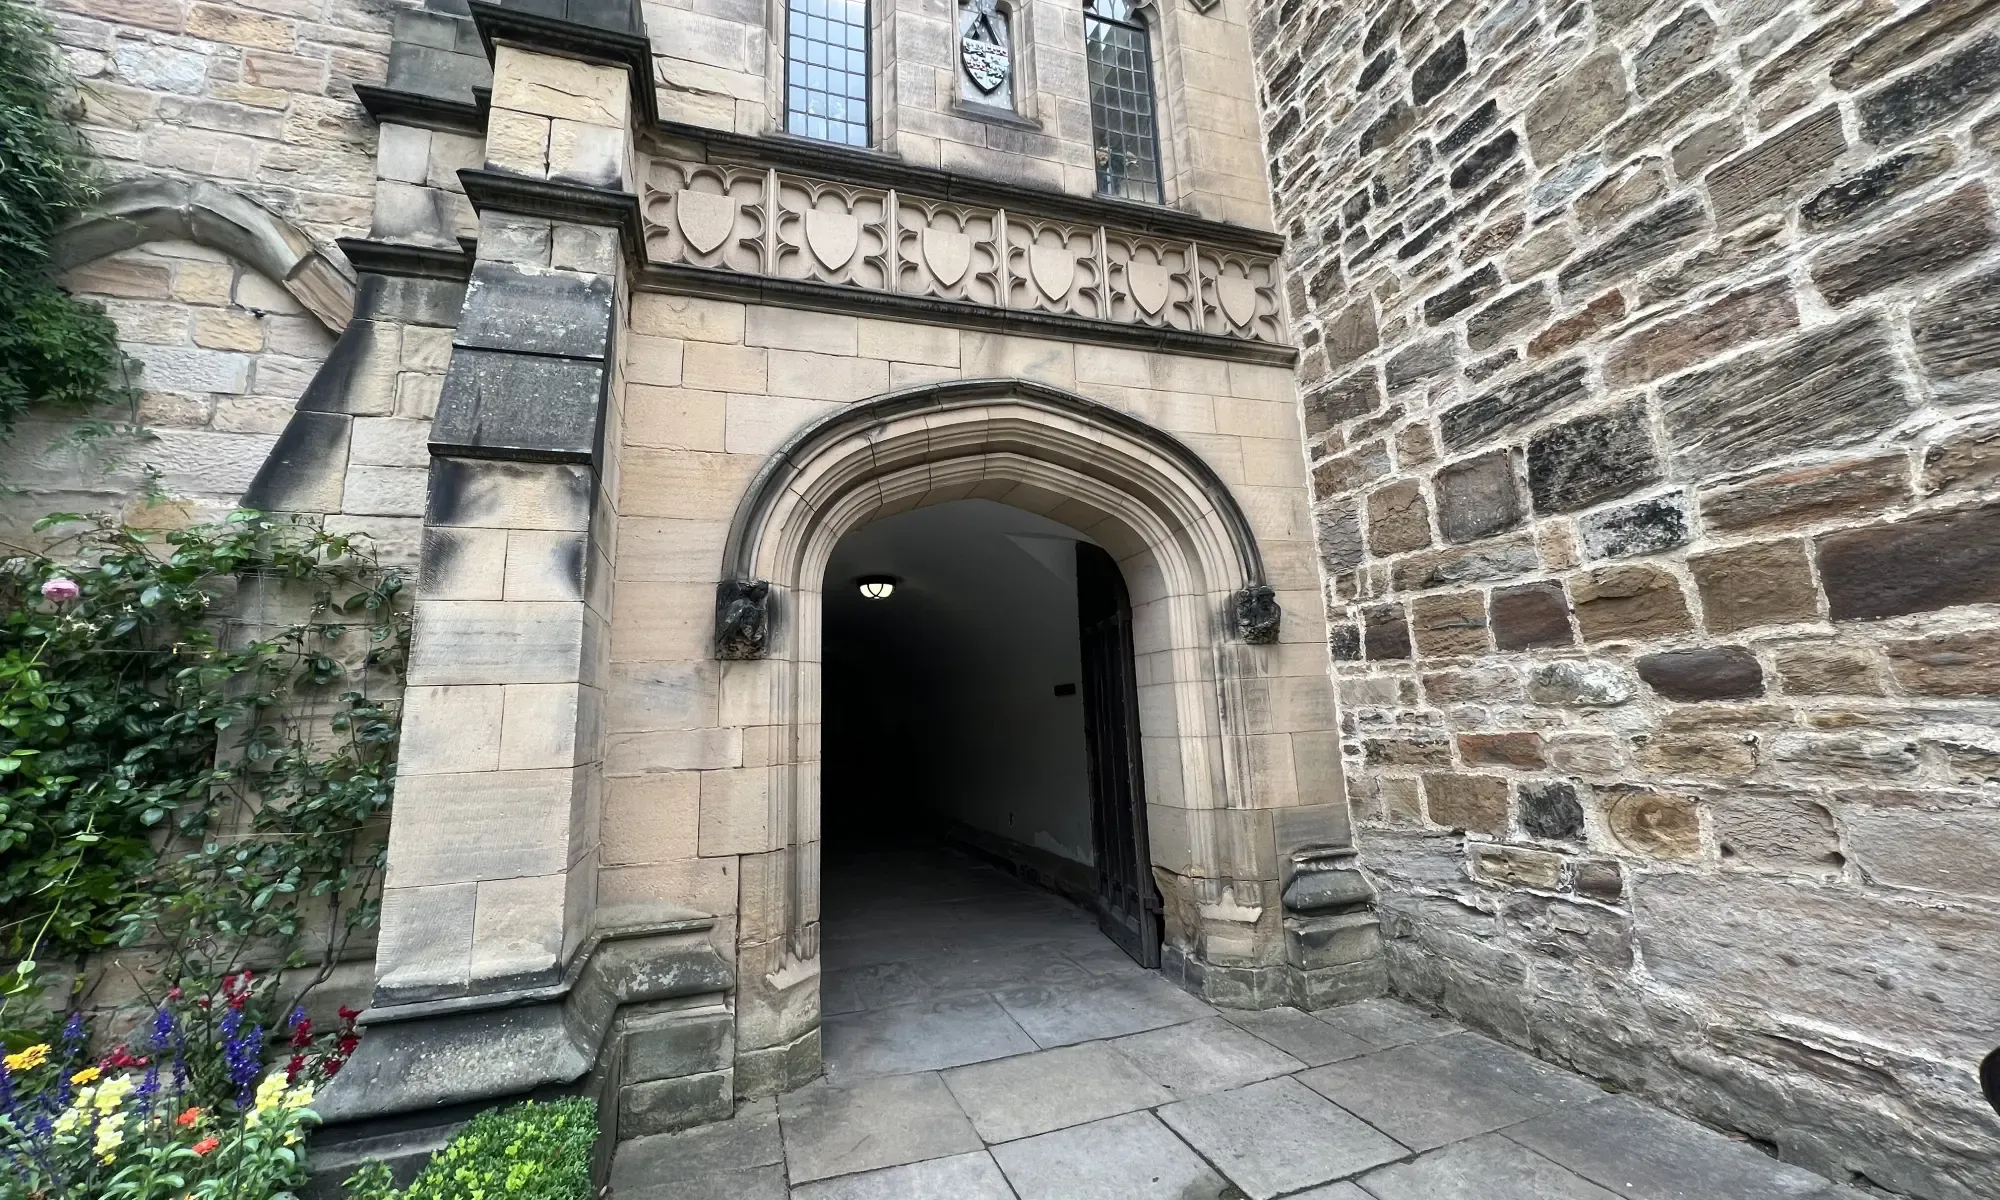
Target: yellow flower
299,1096
110,1136
113,1094
87,1075
69,1118
269,1091
27,1060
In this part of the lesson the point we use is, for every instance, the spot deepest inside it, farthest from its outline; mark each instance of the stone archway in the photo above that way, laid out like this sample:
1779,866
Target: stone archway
134,212
1216,717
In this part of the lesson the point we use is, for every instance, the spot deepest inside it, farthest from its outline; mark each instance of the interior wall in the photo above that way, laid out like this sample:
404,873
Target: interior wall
940,702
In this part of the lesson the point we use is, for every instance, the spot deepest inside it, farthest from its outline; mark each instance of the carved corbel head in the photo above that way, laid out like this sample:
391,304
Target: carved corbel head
742,619
1255,614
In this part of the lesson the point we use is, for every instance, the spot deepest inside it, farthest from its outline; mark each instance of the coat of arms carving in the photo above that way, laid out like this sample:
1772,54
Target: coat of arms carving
982,46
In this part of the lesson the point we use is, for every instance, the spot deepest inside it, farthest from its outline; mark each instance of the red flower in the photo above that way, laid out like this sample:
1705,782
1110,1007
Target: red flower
207,1144
302,1034
173,993
188,1118
349,1014
293,1068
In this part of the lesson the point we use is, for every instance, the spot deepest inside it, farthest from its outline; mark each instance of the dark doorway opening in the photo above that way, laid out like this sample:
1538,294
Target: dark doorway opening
986,699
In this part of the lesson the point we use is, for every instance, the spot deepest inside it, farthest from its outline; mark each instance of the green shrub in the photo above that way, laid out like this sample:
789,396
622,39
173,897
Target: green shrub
529,1151
54,349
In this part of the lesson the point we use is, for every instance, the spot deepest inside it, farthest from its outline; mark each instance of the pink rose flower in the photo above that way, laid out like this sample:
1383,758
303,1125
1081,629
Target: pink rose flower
61,589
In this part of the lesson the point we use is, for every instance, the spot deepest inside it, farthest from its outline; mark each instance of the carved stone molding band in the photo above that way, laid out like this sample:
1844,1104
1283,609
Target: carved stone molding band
769,223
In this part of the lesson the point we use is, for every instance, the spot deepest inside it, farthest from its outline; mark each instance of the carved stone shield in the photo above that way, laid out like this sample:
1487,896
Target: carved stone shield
948,253
1149,283
1239,298
1054,269
986,64
705,218
833,237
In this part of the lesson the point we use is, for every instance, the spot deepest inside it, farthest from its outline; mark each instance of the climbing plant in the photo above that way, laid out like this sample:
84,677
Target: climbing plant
180,770
54,348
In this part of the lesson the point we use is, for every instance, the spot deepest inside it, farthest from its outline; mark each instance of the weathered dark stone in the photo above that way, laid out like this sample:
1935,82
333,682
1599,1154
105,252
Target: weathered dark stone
1473,685
1425,360
1353,334
742,619
1513,405
1385,632
1567,115
1762,583
1868,188
1478,498
1694,96
1717,673
1936,237
1511,313
1437,72
1655,237
1358,206
1683,341
1480,165
1777,168
1602,880
1600,314
1706,146
1843,28
1920,565
1327,891
1461,134
1957,332
1828,388
1515,866
1551,811
1522,750
1389,128
1830,670
1337,534
1657,824
1345,399
1579,463
1343,642
1622,194
1398,519
1903,42
1383,28
1929,96
535,310
1255,615
1530,617
1675,50
1425,236
1408,752
1965,460
1631,530
1349,472
1467,564
1377,67
1628,602
1462,295
1450,625
1415,446
524,406
1472,803
1580,684
1807,495
1951,665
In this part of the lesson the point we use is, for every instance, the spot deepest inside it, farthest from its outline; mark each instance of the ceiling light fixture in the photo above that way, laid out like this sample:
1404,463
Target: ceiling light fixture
878,587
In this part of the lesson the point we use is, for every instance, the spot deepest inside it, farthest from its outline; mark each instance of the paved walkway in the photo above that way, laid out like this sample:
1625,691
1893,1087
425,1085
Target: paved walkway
984,1042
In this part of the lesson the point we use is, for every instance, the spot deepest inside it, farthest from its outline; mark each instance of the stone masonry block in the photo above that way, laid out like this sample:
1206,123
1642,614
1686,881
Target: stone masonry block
1591,459
1629,602
475,641
486,494
450,729
426,939
517,930
517,142
1473,803
1763,583
463,564
539,728
1478,497
672,1044
1919,565
551,86
545,565
482,825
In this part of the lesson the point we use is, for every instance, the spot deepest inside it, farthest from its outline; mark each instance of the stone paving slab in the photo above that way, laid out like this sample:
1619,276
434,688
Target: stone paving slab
1278,1136
1423,1100
1053,1089
838,1129
1132,1157
1485,1168
1303,1036
1635,1150
920,1037
1200,1057
960,1177
1384,1024
1104,1008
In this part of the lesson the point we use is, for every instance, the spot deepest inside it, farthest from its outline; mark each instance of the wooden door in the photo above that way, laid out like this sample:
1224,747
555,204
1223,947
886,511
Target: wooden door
1128,904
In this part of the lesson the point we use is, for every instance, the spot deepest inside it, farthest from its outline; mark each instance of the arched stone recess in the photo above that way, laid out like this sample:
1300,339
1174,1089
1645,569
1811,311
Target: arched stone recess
134,212
1231,825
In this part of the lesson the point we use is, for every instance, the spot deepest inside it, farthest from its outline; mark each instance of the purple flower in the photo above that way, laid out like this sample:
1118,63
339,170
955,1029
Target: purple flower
241,1054
61,589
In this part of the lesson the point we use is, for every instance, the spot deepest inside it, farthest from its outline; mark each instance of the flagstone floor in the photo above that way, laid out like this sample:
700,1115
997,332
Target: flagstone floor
984,1042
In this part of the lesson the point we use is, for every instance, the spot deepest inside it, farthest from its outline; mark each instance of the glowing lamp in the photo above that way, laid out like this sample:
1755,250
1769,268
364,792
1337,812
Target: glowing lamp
877,587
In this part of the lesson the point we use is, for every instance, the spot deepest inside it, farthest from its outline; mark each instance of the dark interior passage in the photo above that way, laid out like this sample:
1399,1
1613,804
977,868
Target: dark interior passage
953,709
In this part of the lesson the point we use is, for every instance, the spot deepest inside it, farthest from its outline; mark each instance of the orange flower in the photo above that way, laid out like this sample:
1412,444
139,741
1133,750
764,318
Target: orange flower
207,1144
188,1118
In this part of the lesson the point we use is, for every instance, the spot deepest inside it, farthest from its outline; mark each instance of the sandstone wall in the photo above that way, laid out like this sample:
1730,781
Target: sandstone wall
1651,401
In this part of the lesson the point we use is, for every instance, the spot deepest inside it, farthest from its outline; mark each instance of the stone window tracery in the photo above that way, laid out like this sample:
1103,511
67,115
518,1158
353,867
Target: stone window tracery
1124,129
986,66
826,70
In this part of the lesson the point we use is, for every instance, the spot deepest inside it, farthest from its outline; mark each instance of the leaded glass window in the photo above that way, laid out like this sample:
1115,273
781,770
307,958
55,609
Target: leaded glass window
1125,137
826,70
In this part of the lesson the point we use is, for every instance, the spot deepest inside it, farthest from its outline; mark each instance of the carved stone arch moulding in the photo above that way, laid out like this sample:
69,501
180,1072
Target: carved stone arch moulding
157,209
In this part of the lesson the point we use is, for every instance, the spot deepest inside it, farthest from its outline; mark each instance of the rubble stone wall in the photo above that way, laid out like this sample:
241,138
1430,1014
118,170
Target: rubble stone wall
1651,398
